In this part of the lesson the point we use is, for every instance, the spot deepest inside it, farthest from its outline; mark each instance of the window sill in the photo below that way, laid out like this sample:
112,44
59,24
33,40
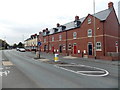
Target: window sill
98,50
89,36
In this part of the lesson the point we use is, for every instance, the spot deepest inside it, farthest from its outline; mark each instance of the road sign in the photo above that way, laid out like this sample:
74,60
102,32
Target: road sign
39,43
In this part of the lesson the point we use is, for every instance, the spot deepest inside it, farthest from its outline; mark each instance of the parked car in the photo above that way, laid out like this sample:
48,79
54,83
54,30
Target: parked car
22,49
17,49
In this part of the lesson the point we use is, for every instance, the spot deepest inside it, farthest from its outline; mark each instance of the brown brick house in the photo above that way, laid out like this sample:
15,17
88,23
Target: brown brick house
81,38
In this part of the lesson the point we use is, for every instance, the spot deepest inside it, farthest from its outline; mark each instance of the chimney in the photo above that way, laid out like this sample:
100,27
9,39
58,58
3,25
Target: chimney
110,5
76,18
40,32
58,25
44,30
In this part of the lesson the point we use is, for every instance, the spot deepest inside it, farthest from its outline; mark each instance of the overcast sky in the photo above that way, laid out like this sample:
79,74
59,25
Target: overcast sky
21,18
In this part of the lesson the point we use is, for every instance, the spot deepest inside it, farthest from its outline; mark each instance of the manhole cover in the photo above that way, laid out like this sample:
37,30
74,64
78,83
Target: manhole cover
84,70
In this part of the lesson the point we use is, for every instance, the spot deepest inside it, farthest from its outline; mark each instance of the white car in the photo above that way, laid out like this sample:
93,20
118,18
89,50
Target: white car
17,49
21,49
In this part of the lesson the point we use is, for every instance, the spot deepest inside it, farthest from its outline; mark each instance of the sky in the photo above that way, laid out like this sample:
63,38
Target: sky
19,19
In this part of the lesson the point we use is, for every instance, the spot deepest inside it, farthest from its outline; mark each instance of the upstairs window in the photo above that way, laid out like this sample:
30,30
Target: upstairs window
74,35
89,32
89,20
52,39
98,46
45,40
60,37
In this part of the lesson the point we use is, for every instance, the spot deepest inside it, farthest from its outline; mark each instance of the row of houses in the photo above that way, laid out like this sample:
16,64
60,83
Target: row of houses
31,43
3,44
96,36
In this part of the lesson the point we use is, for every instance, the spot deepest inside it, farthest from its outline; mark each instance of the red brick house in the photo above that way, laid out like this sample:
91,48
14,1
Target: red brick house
91,36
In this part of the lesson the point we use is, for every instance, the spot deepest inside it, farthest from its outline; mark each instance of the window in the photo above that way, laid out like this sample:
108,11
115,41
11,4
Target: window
60,28
49,47
52,39
45,40
98,46
74,35
60,37
89,20
63,46
89,32
75,23
69,46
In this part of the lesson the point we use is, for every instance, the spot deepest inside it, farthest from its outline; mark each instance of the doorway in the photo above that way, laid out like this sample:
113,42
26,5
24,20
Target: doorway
75,48
60,48
90,49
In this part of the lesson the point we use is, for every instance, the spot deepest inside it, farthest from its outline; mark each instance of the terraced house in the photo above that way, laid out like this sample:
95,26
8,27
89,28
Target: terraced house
31,43
95,35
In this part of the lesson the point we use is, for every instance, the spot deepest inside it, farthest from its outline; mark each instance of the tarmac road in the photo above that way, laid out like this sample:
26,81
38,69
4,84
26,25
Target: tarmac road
37,74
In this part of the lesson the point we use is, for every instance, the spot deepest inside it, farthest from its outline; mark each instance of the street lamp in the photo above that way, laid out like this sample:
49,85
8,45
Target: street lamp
94,30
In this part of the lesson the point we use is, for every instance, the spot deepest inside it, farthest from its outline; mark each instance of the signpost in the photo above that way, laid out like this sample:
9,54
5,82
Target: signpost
39,44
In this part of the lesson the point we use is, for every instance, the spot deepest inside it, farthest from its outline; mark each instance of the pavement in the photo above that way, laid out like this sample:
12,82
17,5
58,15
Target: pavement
71,59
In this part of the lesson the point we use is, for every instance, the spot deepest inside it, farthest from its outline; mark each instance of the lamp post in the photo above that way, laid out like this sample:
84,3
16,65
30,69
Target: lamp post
94,30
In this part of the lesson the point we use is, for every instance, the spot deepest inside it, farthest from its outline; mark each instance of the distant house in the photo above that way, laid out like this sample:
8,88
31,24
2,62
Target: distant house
95,35
3,44
0,43
31,43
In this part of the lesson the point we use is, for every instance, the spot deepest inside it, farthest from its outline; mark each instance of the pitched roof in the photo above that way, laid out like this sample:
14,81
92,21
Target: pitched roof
102,15
69,26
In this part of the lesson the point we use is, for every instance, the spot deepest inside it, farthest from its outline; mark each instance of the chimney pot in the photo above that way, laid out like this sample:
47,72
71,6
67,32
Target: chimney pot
44,30
40,32
110,5
76,18
58,25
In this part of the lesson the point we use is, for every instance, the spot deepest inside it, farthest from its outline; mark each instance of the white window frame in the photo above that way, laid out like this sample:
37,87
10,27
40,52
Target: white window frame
98,46
60,37
44,40
74,35
64,47
75,23
89,32
89,20
49,47
52,39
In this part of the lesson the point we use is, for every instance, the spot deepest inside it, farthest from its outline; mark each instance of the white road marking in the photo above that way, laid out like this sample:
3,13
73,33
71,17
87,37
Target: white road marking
7,67
4,73
83,72
90,71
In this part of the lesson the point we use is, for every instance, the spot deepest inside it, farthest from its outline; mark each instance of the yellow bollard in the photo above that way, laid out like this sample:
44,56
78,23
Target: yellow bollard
56,59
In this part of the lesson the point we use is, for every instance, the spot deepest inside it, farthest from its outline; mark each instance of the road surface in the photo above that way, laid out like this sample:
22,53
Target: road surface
27,72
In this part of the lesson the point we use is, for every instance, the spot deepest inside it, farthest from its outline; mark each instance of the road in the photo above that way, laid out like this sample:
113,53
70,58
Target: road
27,72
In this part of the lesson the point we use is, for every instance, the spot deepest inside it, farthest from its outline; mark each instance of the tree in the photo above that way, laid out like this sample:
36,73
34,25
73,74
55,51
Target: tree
15,45
20,45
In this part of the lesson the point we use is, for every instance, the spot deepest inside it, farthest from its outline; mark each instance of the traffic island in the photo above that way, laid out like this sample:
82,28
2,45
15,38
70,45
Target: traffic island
53,62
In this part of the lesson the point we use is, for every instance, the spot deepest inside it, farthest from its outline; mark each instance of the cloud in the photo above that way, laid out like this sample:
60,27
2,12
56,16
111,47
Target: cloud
26,17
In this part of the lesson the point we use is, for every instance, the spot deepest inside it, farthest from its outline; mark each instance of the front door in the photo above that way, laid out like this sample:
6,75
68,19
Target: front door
89,49
60,48
75,49
44,48
53,49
